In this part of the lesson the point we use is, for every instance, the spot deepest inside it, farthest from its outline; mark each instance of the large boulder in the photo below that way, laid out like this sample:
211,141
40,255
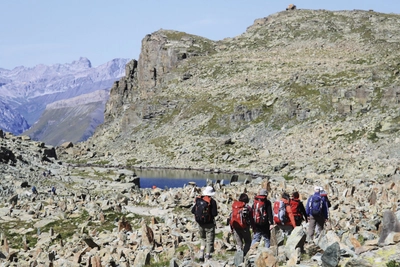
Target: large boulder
390,224
291,7
7,155
50,153
331,256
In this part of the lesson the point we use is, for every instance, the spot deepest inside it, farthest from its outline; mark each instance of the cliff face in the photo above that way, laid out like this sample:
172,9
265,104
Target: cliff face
132,98
300,93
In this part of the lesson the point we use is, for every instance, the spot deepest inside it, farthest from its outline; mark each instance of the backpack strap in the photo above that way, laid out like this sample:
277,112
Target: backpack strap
207,198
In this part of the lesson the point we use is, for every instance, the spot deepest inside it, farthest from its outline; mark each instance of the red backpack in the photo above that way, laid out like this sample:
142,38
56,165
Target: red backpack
280,215
294,203
260,215
238,215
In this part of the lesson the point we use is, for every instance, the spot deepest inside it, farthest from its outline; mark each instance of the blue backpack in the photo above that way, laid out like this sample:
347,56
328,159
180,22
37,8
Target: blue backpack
315,206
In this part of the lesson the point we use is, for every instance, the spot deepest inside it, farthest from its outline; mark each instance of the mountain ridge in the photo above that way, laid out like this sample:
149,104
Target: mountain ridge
300,93
27,91
70,120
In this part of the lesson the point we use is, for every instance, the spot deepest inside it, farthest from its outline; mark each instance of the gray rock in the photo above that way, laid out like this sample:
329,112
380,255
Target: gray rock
389,224
331,256
142,258
238,258
295,240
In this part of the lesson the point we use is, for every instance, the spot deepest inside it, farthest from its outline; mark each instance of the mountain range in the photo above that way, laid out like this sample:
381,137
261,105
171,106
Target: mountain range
26,92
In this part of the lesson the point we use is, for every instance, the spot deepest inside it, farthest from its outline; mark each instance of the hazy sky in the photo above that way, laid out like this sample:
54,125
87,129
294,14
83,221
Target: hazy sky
50,32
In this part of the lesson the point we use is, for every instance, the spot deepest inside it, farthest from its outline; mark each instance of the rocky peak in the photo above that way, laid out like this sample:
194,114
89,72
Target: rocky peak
162,51
82,63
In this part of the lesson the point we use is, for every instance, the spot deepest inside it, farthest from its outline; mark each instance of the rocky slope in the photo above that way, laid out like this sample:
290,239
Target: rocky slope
99,217
27,91
301,93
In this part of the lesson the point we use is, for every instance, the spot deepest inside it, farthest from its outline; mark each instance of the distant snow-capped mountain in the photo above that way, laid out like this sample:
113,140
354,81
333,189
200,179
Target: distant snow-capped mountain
27,91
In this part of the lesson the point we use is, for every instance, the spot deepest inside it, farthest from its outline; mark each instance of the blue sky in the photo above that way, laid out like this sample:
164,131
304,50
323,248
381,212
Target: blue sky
49,32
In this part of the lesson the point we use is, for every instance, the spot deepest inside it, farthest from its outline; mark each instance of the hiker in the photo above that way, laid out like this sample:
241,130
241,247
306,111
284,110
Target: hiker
240,222
298,209
11,209
324,196
34,190
317,212
263,218
283,214
53,190
205,210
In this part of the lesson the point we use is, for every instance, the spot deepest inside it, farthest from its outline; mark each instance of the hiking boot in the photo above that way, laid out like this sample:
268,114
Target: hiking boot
201,255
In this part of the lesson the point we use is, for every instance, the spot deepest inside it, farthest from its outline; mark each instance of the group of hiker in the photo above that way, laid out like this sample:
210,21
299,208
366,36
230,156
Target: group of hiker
52,190
251,223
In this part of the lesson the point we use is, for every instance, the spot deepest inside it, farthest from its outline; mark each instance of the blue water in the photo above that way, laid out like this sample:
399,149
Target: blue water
179,178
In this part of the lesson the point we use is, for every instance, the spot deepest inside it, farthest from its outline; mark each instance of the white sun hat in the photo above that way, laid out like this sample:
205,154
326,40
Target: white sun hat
208,191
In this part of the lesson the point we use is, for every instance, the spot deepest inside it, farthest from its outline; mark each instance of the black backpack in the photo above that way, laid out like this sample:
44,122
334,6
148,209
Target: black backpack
202,211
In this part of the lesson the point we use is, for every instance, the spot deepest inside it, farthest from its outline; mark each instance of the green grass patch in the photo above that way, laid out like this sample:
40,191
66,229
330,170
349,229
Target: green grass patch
101,162
161,263
373,135
219,235
103,175
393,263
15,240
288,177
77,161
199,45
168,117
132,162
355,135
67,227
223,255
361,239
81,173
303,90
